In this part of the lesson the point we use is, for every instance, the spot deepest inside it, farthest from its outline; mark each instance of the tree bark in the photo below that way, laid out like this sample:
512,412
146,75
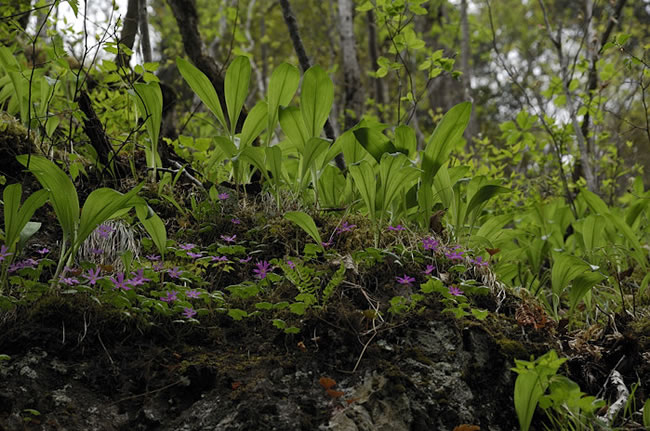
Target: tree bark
465,53
129,30
94,129
145,40
352,87
373,53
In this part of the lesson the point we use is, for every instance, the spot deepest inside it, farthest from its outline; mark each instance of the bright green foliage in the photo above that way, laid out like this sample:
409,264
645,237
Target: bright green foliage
148,99
203,88
306,223
238,78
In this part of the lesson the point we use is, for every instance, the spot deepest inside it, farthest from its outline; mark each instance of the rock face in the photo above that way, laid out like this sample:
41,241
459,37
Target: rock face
106,373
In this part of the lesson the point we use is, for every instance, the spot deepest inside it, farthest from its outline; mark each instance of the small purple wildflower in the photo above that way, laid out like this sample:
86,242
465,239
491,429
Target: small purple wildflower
429,243
27,263
429,270
262,269
91,276
138,278
455,253
171,296
189,313
290,264
223,196
43,251
235,221
4,252
119,282
104,230
153,257
96,251
193,293
345,227
187,247
455,291
158,266
406,280
248,259
70,281
397,228
327,244
218,259
479,261
174,272
228,238
194,255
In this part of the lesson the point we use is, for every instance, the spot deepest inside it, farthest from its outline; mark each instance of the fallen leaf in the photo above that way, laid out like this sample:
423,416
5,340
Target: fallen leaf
335,394
466,427
326,382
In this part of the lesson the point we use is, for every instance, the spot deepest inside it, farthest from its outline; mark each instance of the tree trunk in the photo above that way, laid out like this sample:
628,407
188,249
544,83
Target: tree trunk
373,53
465,49
352,87
129,30
145,41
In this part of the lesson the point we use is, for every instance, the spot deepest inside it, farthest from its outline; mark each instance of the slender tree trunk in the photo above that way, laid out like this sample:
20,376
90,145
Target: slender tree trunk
145,40
465,53
373,53
352,87
129,30
305,63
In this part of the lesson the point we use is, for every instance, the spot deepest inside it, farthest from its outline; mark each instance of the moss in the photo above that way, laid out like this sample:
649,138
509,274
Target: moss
419,356
512,348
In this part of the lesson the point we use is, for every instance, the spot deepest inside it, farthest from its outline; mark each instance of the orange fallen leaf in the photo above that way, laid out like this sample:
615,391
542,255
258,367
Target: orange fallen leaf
235,385
335,394
302,346
466,427
326,382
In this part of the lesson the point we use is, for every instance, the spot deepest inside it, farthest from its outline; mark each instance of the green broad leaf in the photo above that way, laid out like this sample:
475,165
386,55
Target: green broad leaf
148,98
405,141
306,223
274,163
352,149
256,157
28,231
364,178
154,227
330,185
596,204
527,394
374,142
226,145
298,308
264,306
5,357
433,285
565,269
237,314
17,217
294,127
238,77
254,124
101,205
581,285
63,195
282,87
316,98
479,314
395,173
592,232
74,5
279,323
623,228
203,88
292,330
314,148
646,414
483,195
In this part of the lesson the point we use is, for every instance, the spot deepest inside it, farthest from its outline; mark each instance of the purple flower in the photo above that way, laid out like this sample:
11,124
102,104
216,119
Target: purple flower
235,221
429,270
4,252
218,259
262,269
194,255
174,272
92,277
291,265
223,196
345,227
429,243
158,266
70,281
397,228
43,251
193,293
104,230
96,251
189,313
119,282
248,259
406,280
171,296
27,263
228,238
479,261
153,257
327,244
187,247
455,291
138,278
455,253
